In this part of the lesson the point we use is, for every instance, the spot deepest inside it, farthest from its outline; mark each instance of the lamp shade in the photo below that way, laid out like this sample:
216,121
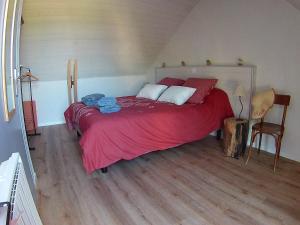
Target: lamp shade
240,91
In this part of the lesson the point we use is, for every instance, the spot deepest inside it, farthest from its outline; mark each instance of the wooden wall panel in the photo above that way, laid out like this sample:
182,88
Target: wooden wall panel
108,37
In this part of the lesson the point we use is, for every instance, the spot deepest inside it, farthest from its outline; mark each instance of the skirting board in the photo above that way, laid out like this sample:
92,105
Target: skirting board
52,123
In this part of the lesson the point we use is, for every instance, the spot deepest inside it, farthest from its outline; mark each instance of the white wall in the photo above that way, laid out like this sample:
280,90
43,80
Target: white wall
263,32
11,133
52,96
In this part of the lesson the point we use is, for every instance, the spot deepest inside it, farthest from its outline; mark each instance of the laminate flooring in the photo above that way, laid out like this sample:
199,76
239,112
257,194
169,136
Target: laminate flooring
190,184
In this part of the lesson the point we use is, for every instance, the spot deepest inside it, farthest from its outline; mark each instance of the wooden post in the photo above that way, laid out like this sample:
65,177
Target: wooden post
72,77
69,82
75,80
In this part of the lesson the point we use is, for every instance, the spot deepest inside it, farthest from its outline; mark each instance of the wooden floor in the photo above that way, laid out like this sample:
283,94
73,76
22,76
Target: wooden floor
192,184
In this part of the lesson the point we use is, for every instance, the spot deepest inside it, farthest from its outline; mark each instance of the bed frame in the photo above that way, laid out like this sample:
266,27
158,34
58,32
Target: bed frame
229,77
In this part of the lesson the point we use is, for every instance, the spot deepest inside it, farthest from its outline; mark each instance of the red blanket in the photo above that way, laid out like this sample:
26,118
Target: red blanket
143,126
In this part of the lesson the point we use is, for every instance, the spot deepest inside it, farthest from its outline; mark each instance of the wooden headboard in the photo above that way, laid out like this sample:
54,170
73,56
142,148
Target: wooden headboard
229,77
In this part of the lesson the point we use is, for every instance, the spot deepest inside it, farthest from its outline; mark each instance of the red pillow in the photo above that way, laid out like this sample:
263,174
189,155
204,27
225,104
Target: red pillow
169,81
203,86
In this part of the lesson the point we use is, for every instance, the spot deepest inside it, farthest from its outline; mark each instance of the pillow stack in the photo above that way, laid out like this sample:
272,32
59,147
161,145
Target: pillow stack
203,86
177,95
169,81
178,91
152,91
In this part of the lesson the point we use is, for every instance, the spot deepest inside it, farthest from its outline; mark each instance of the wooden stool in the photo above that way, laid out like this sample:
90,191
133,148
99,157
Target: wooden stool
235,136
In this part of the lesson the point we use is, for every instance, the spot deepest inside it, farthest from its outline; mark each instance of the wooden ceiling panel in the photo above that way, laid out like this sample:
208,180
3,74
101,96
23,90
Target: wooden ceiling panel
108,37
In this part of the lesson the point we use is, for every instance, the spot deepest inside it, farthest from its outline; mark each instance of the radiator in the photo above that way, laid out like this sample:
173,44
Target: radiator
17,206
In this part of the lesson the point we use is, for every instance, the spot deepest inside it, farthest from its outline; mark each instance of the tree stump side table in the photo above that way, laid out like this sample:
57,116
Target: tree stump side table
235,136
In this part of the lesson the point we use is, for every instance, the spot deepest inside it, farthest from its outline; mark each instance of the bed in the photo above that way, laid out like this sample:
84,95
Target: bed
143,126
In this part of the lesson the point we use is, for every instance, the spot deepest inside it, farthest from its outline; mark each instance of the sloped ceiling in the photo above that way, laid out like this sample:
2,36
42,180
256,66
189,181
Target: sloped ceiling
295,3
108,37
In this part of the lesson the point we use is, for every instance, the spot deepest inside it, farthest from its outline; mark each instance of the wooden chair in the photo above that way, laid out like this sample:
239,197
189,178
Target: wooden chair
275,130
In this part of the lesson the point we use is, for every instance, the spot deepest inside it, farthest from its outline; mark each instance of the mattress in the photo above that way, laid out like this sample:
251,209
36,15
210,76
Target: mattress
143,126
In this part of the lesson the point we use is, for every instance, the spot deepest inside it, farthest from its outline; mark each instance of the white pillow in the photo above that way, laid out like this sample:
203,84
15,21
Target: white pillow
177,94
151,91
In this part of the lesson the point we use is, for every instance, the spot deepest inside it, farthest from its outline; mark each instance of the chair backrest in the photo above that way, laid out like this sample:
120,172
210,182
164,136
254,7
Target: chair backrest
283,100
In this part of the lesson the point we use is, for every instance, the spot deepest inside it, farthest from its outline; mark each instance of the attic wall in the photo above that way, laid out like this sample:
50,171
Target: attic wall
108,37
262,32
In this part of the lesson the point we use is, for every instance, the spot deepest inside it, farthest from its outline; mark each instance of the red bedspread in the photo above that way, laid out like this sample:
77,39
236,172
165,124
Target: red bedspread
143,126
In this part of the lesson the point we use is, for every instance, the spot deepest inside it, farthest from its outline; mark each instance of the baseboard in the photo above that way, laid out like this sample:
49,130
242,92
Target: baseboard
51,123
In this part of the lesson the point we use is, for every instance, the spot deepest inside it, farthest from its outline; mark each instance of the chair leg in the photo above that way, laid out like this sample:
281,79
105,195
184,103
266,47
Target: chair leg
277,154
253,135
259,143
